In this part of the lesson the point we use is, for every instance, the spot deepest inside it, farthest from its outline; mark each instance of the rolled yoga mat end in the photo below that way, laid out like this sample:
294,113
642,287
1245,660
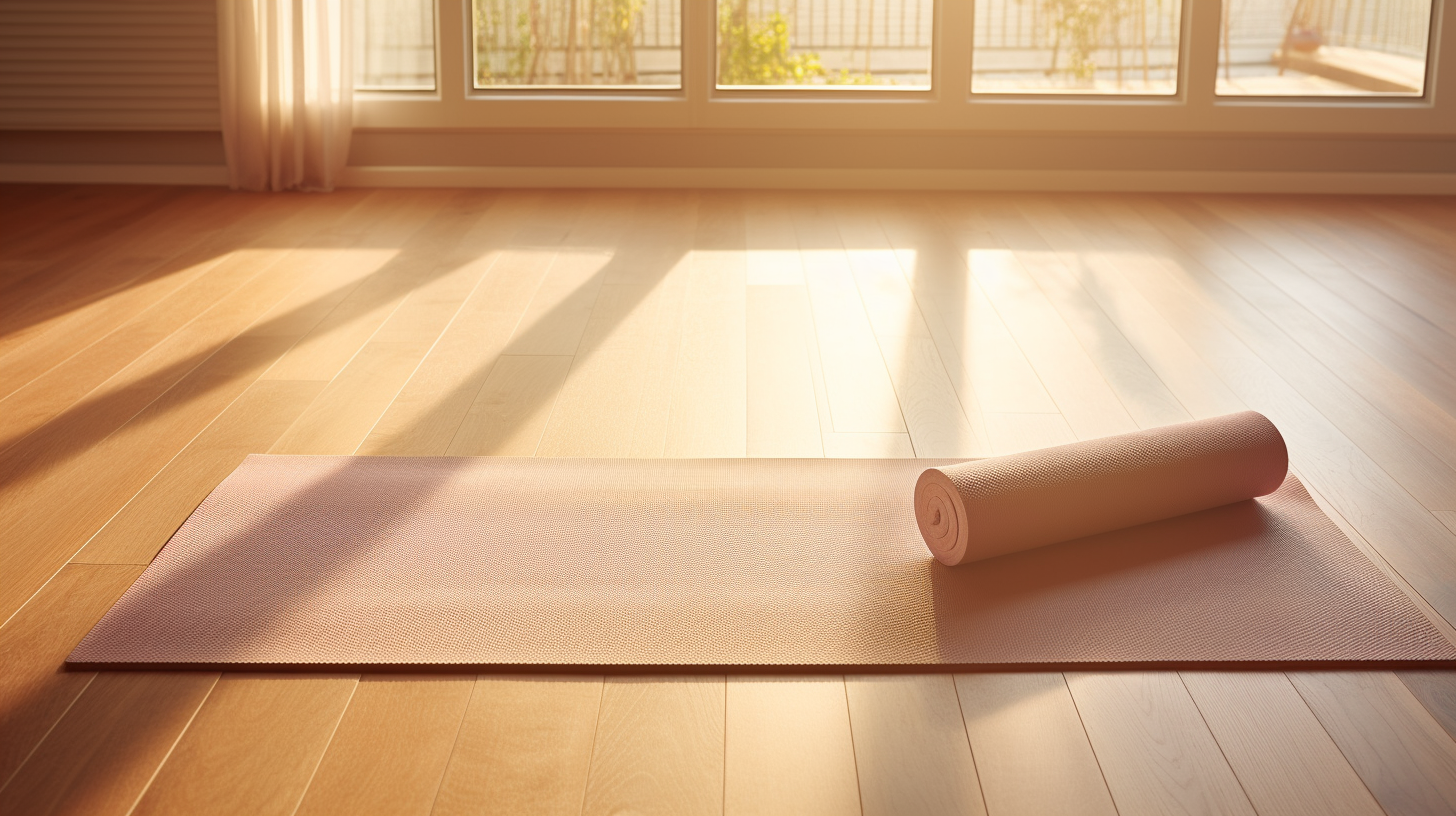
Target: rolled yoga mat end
992,507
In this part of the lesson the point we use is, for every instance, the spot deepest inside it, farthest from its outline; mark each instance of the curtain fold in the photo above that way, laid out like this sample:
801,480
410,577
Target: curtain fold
286,88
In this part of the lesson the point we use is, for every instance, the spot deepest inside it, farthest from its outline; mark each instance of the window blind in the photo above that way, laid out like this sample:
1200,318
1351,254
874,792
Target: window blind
119,65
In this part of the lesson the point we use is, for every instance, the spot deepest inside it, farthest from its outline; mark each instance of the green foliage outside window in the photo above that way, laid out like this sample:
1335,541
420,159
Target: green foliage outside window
593,42
757,52
1084,27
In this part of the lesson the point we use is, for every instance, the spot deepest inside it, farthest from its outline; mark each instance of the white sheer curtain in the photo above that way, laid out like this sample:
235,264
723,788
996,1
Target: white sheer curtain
286,91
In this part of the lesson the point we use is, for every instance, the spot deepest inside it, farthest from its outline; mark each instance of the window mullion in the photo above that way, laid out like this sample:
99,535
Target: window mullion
1201,34
954,32
698,53
452,19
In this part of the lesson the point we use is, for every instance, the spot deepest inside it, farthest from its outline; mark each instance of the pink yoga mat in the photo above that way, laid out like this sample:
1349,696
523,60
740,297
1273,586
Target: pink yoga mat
742,564
975,510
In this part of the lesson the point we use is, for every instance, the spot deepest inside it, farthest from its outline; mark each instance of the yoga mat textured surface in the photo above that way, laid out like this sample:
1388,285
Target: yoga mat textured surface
360,561
975,510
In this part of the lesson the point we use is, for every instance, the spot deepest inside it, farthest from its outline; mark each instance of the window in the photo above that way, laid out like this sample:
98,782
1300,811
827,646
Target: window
825,43
577,43
394,45
1324,48
986,66
1076,46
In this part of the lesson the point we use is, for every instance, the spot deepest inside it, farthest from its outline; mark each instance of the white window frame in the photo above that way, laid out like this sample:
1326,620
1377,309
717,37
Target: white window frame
948,106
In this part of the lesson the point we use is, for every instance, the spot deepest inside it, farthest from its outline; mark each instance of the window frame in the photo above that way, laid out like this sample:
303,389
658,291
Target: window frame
948,106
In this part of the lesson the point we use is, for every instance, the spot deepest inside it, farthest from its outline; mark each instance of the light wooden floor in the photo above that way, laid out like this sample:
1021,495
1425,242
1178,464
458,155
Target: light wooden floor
150,338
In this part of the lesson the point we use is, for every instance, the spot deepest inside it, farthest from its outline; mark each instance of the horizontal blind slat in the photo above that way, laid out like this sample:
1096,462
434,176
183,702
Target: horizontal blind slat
207,82
70,96
23,33
108,56
138,40
82,70
62,7
98,104
113,120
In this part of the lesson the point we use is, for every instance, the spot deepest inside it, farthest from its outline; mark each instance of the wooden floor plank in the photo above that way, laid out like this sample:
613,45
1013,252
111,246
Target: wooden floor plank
30,296
1427,225
177,390
857,384
524,746
938,423
661,364
252,748
1081,392
429,410
1382,510
250,425
562,306
348,409
789,748
84,352
391,747
1404,757
1154,748
1437,692
1145,396
709,413
782,411
1446,517
910,746
1420,455
1280,753
986,364
658,747
1010,433
618,314
56,321
597,411
35,690
658,253
941,419
772,248
1155,339
52,392
63,508
1410,273
414,239
101,755
96,212
113,379
861,394
1032,753
1360,323
509,414
1333,420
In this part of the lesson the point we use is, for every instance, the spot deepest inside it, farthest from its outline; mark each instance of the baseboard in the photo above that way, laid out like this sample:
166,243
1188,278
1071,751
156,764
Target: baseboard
207,175
1187,181
906,179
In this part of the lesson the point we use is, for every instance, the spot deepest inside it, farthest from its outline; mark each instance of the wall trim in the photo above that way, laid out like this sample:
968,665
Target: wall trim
207,175
906,179
1174,181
